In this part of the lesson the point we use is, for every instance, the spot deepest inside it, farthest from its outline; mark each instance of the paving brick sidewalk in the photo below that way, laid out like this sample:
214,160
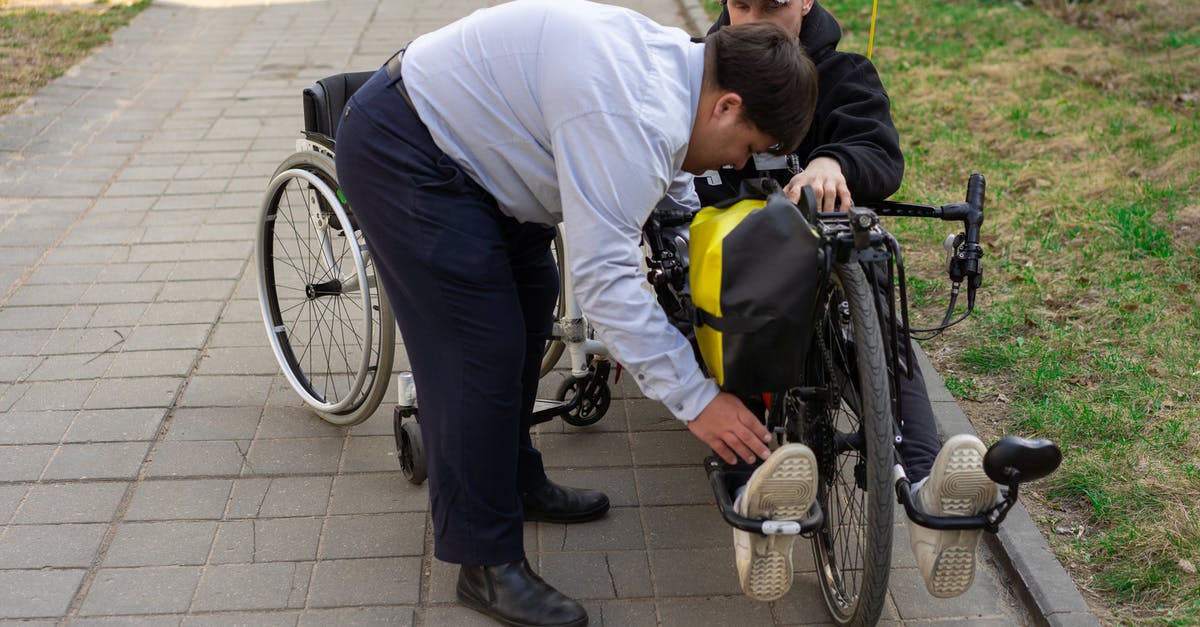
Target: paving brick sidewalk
156,469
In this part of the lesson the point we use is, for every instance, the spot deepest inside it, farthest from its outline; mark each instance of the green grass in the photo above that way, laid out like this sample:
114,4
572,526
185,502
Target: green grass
1087,329
38,46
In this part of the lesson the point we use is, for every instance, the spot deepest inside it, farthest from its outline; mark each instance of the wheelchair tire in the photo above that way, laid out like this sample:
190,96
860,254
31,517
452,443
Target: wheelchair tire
410,449
327,318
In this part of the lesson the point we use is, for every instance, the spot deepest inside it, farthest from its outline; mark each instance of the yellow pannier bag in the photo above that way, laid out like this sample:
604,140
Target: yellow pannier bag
754,276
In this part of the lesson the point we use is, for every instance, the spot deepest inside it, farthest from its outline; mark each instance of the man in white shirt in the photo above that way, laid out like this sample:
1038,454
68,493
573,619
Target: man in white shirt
460,155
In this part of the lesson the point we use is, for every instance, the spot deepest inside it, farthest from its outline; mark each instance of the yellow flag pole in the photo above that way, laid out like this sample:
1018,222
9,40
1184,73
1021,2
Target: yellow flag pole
871,38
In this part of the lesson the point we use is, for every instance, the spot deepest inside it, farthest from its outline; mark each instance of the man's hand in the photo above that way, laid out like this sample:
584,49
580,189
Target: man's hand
731,431
824,175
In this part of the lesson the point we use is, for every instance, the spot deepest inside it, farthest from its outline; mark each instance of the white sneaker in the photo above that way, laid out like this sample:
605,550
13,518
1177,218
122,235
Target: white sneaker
782,488
957,486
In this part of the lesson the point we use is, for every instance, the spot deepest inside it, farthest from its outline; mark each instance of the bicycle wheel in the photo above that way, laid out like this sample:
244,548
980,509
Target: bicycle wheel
554,345
327,318
843,413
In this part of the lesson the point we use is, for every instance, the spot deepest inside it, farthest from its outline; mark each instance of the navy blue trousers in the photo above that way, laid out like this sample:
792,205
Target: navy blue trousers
473,293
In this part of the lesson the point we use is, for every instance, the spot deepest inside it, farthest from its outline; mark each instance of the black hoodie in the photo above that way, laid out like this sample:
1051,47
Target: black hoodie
853,121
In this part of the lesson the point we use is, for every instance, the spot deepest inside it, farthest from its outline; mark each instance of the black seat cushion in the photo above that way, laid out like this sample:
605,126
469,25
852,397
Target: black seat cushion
325,99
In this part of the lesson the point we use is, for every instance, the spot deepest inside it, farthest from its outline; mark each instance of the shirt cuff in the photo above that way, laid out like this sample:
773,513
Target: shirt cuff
690,398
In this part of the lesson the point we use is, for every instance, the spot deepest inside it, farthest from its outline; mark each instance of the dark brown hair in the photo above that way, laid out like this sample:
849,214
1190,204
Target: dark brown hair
765,65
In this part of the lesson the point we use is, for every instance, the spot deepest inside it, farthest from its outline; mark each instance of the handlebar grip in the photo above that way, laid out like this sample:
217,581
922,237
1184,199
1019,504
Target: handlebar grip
976,187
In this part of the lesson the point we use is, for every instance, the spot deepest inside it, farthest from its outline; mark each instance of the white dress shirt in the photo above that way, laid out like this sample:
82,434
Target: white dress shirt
577,112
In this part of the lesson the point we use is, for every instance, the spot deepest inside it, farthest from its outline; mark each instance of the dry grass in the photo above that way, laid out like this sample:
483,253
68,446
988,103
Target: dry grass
37,46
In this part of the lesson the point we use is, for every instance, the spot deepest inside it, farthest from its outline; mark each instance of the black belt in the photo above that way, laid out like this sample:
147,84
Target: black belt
393,72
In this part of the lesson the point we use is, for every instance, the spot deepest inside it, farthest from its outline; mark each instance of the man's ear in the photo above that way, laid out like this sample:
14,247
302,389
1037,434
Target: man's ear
727,103
808,5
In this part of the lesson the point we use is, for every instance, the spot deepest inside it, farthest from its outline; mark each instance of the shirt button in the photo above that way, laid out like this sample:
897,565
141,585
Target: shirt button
641,376
678,406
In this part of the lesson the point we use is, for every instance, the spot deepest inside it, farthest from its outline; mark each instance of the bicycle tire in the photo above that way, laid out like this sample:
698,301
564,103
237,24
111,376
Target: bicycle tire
335,347
846,420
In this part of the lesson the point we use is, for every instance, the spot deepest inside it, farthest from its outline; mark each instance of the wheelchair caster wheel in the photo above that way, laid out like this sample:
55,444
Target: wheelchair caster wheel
592,406
411,451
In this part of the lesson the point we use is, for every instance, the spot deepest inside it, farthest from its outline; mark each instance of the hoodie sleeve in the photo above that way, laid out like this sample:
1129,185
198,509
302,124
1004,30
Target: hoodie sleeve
854,125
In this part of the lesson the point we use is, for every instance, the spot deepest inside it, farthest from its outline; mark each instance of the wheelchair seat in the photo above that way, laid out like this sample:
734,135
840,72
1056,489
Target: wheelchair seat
325,99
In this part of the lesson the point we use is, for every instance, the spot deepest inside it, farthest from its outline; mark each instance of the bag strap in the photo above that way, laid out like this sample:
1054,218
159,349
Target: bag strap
731,324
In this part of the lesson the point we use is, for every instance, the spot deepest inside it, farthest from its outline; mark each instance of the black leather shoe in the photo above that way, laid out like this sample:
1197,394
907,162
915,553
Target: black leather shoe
514,595
559,504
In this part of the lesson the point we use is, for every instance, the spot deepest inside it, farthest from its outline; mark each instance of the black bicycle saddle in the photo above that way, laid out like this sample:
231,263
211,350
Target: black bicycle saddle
1021,459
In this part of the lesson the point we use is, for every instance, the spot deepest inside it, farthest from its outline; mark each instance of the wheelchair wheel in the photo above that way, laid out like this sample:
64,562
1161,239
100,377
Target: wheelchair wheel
844,415
555,346
327,318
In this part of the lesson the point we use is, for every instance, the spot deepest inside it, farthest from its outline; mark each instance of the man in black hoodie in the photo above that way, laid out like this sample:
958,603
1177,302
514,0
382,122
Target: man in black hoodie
852,150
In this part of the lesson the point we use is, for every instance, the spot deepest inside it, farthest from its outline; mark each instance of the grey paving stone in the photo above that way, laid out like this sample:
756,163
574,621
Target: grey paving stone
92,341
286,539
54,395
23,341
804,603
648,415
195,458
110,460
70,367
581,575
296,496
694,572
144,392
239,361
196,312
114,425
718,611
186,291
201,499
226,391
685,526
376,492
376,535
359,617
173,543
50,546
380,581
167,336
370,453
668,448
234,543
243,619
581,450
294,455
456,616
294,422
36,593
621,528
623,613
214,423
16,368
252,586
61,294
70,503
168,363
10,498
241,334
24,462
22,318
914,602
673,486
118,591
129,621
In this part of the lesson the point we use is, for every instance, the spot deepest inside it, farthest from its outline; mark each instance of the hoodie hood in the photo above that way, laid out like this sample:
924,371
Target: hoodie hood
819,32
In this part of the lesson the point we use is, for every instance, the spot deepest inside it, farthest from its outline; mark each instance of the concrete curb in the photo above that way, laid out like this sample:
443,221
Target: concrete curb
1046,586
1019,544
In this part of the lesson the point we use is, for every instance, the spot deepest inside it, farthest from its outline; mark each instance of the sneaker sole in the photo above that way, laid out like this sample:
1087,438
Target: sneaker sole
785,493
966,490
